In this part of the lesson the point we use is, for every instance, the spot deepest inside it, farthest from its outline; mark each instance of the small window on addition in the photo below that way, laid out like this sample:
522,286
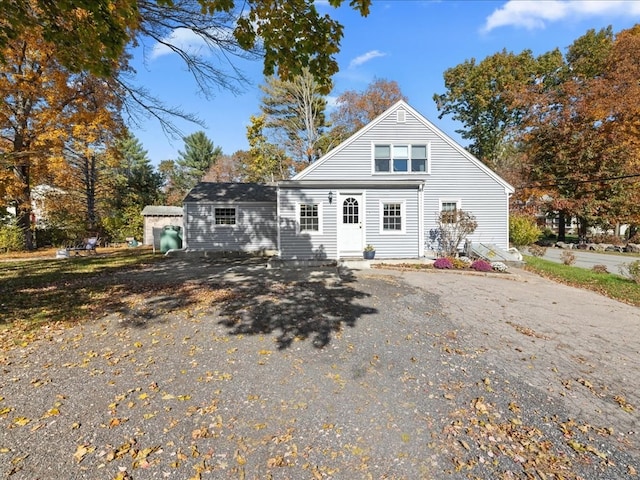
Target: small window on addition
225,216
309,217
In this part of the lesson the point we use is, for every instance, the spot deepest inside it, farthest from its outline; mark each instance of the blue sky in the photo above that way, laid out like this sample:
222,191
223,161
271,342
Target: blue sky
410,41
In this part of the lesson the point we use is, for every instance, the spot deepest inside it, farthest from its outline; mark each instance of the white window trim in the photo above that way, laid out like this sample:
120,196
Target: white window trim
391,145
403,217
225,225
457,201
320,218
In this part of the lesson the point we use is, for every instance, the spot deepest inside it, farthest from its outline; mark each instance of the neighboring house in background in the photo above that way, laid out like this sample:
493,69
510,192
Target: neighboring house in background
158,216
231,217
39,196
385,186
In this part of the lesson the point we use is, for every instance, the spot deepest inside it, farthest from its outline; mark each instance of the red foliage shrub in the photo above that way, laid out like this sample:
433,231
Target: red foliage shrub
481,266
443,262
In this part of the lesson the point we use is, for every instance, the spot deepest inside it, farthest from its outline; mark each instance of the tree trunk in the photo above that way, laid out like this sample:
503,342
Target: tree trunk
582,230
90,174
562,230
23,206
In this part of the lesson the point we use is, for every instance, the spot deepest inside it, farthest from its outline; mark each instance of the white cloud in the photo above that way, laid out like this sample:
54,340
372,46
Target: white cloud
356,62
182,38
531,14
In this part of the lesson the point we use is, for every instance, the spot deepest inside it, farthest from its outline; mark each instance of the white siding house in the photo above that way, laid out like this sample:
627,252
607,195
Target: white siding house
386,186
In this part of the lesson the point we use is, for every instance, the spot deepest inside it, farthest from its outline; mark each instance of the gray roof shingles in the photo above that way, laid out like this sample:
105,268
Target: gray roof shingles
162,211
231,192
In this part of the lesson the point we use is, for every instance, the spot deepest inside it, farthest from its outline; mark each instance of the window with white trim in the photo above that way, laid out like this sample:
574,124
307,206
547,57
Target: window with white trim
382,160
419,158
407,158
449,210
225,216
392,218
309,217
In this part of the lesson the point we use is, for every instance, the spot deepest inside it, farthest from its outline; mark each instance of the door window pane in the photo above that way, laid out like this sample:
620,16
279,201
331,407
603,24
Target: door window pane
350,213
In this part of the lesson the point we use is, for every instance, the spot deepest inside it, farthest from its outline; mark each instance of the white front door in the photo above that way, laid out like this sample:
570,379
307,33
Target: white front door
350,224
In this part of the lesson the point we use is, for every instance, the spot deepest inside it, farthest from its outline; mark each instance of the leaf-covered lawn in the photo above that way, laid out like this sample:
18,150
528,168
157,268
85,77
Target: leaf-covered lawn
54,291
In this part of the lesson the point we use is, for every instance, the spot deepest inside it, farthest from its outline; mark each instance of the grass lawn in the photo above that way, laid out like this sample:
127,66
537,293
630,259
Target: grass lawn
609,284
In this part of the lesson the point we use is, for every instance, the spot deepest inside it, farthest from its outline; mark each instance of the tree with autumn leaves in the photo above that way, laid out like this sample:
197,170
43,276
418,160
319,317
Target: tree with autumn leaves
51,121
56,47
561,128
292,131
580,136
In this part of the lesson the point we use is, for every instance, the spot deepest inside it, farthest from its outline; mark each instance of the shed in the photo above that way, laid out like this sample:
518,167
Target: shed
157,217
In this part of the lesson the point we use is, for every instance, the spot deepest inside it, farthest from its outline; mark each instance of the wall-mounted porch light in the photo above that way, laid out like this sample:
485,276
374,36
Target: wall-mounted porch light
330,197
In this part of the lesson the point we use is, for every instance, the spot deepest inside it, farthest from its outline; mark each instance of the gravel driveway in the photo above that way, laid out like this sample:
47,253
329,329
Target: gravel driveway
230,370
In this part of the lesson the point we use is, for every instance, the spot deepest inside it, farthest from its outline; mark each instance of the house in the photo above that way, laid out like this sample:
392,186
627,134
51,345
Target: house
41,195
385,186
155,218
231,217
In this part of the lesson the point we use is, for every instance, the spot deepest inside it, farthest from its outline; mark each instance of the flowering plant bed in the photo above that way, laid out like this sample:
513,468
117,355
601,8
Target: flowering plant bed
451,264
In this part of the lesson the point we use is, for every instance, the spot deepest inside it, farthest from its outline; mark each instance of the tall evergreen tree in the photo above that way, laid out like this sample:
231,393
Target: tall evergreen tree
133,184
192,164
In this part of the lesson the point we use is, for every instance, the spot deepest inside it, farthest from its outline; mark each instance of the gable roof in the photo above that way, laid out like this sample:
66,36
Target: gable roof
401,104
231,192
162,211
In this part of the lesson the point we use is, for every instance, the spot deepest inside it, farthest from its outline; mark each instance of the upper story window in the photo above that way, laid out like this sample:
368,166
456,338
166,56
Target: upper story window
401,159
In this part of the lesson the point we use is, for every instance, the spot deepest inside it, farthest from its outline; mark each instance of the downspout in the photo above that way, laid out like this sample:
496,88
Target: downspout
278,220
508,217
421,220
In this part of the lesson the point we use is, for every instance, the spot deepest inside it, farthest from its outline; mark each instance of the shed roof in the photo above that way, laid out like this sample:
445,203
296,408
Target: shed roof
231,192
162,211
